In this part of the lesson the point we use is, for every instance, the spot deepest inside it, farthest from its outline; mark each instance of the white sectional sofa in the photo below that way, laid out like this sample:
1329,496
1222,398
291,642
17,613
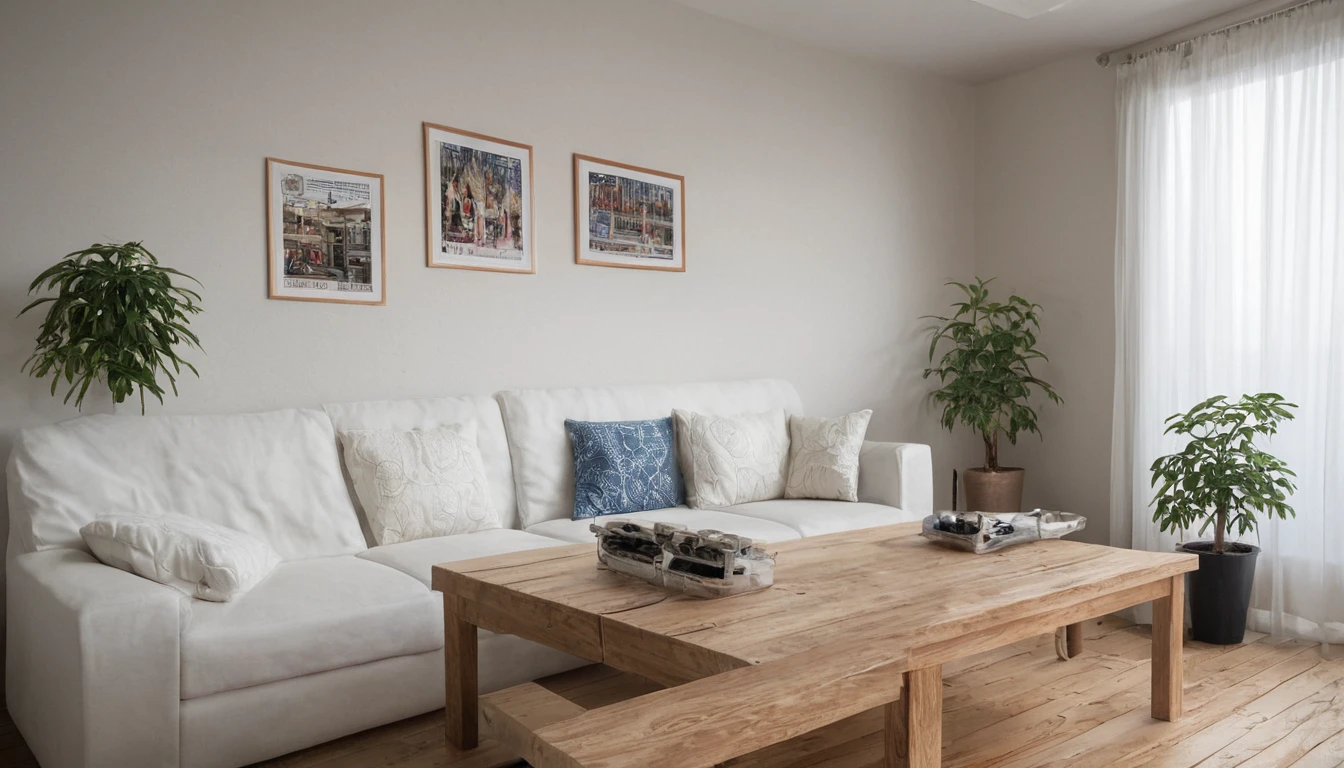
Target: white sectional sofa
106,668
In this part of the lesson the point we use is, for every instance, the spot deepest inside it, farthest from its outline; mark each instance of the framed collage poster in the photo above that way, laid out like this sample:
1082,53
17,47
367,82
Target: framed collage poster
325,238
627,216
478,205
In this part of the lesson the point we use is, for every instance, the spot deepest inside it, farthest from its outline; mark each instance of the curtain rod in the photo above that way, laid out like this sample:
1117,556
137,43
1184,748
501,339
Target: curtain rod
1250,14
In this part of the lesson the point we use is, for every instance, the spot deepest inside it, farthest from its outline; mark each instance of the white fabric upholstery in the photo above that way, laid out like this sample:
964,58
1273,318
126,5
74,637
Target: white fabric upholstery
542,459
419,483
824,456
307,616
245,726
479,411
273,475
105,668
250,725
814,517
417,558
732,459
695,519
91,669
201,559
897,474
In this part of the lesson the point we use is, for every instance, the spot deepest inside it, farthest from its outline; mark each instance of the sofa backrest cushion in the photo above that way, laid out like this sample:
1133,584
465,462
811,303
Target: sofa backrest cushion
482,412
543,461
273,475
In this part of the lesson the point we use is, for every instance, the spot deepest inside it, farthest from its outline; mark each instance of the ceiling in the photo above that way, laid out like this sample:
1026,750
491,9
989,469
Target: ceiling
961,38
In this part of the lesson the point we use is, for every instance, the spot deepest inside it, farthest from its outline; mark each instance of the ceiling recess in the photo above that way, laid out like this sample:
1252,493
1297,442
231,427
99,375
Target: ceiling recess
1024,9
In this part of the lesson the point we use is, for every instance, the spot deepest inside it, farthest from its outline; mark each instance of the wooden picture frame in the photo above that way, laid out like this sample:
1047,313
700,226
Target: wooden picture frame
320,249
488,232
613,234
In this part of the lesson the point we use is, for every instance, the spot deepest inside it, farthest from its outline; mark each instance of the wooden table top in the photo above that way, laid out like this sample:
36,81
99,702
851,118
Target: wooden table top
847,615
844,587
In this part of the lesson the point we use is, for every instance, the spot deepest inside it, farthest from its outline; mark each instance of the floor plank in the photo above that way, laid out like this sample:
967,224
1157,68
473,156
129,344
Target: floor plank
1267,702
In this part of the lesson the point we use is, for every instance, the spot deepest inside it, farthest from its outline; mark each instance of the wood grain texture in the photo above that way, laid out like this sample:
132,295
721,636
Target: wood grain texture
1014,706
1073,634
922,706
460,647
834,638
1168,628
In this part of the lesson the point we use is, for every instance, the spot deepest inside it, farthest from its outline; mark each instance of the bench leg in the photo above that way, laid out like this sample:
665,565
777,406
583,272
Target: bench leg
914,722
1168,628
459,666
1074,639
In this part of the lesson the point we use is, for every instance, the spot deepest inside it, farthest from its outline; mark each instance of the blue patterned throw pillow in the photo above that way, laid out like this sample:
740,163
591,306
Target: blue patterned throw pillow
624,466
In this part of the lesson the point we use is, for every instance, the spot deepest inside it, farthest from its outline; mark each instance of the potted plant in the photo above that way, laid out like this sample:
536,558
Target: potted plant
1224,480
116,318
987,384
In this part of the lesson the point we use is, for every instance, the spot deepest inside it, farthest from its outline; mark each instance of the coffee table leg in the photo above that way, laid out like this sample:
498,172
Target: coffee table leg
1168,628
459,669
914,722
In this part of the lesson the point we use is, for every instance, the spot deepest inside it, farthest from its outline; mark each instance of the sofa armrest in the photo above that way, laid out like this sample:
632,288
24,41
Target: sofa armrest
897,474
93,664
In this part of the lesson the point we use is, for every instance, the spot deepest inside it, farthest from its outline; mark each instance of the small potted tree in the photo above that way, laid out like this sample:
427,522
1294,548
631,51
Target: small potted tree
987,385
1223,480
117,318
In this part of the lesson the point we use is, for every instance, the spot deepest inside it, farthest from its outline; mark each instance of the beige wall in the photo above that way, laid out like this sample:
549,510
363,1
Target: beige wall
825,197
1045,226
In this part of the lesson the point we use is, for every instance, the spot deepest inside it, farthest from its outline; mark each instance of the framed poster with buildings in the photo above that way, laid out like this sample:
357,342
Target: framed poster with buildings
478,202
325,236
627,216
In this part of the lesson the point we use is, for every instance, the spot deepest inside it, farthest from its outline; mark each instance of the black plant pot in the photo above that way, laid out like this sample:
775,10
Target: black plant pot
1220,591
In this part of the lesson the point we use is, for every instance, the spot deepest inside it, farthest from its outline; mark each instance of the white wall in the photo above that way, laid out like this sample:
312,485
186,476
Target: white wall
1045,226
826,198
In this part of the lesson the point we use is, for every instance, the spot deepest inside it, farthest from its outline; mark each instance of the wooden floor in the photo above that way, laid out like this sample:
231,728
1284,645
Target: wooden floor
1267,702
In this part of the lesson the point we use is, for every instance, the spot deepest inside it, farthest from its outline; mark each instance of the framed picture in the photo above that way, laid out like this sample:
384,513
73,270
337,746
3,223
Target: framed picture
325,238
478,201
627,216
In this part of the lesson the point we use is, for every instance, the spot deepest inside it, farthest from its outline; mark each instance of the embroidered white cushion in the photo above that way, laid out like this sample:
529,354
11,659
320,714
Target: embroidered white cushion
419,484
824,456
727,460
205,560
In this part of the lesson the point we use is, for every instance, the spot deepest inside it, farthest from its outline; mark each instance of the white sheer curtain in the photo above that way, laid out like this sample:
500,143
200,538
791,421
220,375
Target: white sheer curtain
1230,279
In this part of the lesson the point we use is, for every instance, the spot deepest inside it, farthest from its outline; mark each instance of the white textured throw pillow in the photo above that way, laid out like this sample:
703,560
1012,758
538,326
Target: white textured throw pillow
727,460
824,456
419,484
205,560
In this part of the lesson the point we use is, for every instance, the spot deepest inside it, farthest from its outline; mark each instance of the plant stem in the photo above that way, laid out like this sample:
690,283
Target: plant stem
991,451
1220,524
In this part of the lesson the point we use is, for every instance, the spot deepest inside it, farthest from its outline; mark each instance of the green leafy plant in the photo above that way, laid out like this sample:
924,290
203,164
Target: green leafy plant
1221,477
116,318
986,377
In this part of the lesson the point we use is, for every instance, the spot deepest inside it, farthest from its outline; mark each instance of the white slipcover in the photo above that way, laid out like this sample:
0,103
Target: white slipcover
543,461
897,474
308,616
273,475
92,661
107,668
479,411
815,517
695,519
417,558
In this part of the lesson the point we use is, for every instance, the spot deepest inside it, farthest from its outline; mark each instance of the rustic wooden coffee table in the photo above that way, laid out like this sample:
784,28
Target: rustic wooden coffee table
855,621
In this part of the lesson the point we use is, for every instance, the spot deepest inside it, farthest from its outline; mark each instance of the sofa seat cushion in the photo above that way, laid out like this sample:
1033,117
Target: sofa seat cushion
418,558
307,616
812,517
694,519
